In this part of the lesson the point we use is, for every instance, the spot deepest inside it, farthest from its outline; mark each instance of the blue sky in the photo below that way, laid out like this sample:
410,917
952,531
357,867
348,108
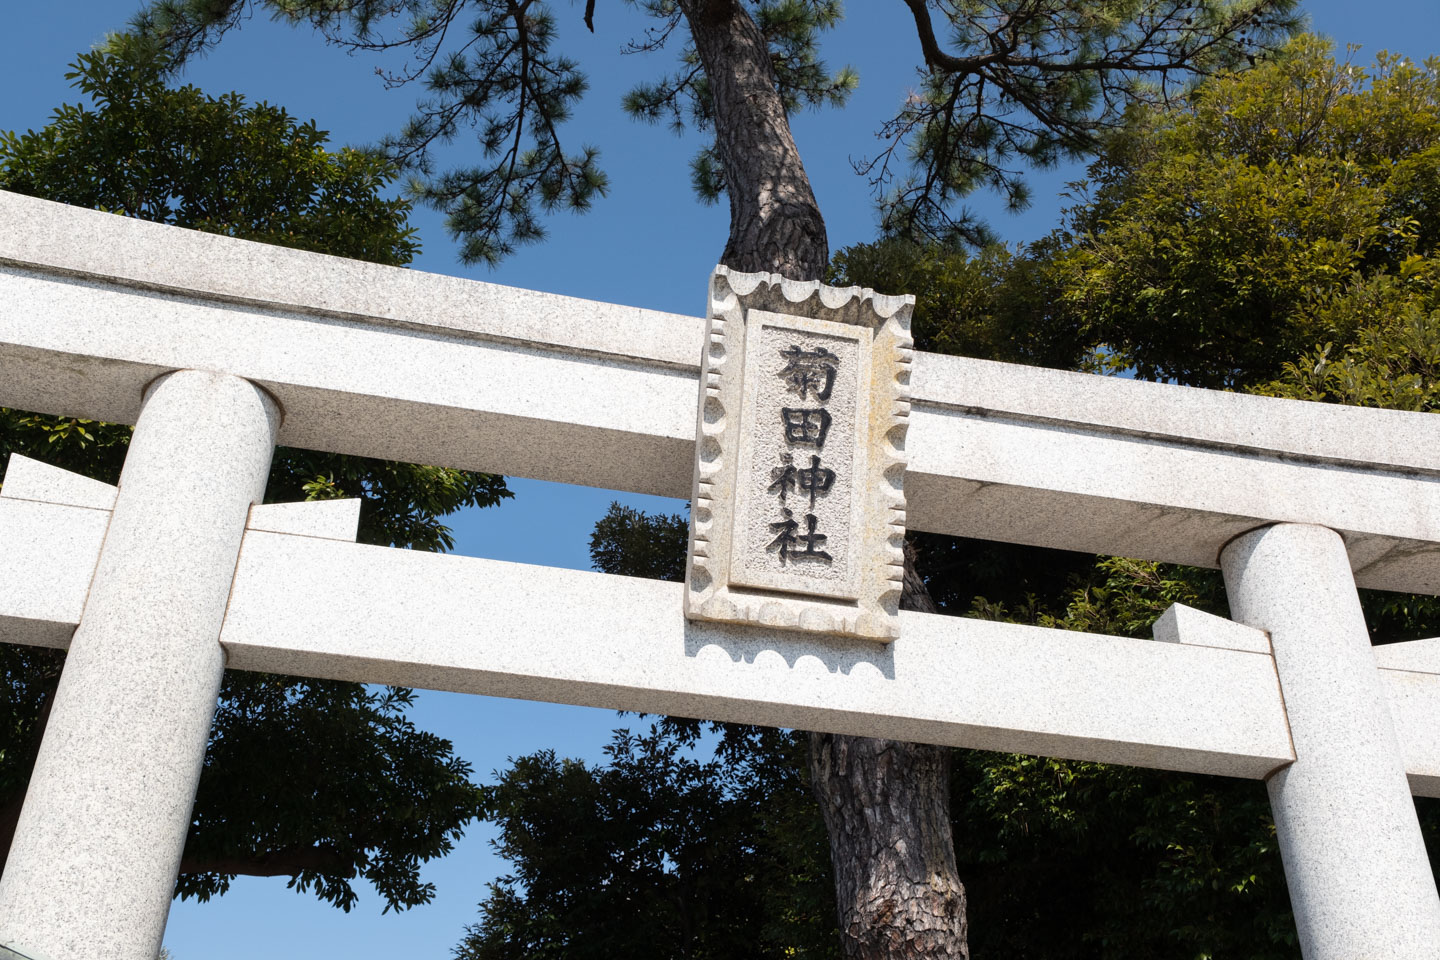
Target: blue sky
649,243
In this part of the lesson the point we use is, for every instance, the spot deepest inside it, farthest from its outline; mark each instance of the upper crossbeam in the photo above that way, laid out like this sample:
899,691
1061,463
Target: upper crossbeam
399,364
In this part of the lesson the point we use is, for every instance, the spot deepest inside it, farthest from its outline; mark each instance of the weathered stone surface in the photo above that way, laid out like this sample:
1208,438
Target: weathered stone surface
52,523
798,509
369,389
1079,487
325,608
398,364
817,476
1212,419
1410,675
47,556
73,241
384,362
568,626
997,712
1421,656
1414,701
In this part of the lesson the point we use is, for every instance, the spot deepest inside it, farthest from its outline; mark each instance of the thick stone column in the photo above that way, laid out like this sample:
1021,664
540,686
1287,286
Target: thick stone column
1359,880
97,849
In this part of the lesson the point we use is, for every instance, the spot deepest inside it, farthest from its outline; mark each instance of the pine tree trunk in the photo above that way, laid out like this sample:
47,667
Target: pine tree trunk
775,223
887,810
886,803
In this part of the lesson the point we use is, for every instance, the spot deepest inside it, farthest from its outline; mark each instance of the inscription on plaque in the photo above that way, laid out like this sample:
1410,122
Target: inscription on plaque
803,429
798,513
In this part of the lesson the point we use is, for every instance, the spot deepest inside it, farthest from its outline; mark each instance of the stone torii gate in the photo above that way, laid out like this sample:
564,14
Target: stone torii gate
218,349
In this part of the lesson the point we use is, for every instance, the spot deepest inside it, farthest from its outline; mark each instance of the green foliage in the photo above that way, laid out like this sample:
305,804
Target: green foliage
491,67
218,164
402,504
994,303
502,79
1075,860
28,676
1390,356
178,156
90,447
1125,597
658,853
1221,243
321,781
636,544
1067,859
1060,859
1033,83
328,777
1276,234
493,207
718,849
1248,239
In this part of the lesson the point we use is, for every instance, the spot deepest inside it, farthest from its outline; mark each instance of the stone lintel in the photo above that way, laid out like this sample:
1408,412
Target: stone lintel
548,631
397,364
399,616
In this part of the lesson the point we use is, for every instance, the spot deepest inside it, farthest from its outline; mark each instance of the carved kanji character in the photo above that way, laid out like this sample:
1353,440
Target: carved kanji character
815,479
788,539
783,477
809,371
787,478
805,426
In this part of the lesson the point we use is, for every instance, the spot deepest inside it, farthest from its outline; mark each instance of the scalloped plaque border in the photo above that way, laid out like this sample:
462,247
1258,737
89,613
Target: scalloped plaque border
879,539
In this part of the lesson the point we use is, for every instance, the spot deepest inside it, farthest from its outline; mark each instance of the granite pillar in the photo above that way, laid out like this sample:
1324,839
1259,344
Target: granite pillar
93,864
1359,880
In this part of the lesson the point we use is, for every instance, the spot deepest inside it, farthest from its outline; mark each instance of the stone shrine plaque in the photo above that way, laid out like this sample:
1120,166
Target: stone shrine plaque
798,513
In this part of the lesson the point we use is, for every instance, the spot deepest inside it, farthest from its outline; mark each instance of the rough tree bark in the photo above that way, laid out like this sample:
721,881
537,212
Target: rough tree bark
887,809
886,804
775,223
